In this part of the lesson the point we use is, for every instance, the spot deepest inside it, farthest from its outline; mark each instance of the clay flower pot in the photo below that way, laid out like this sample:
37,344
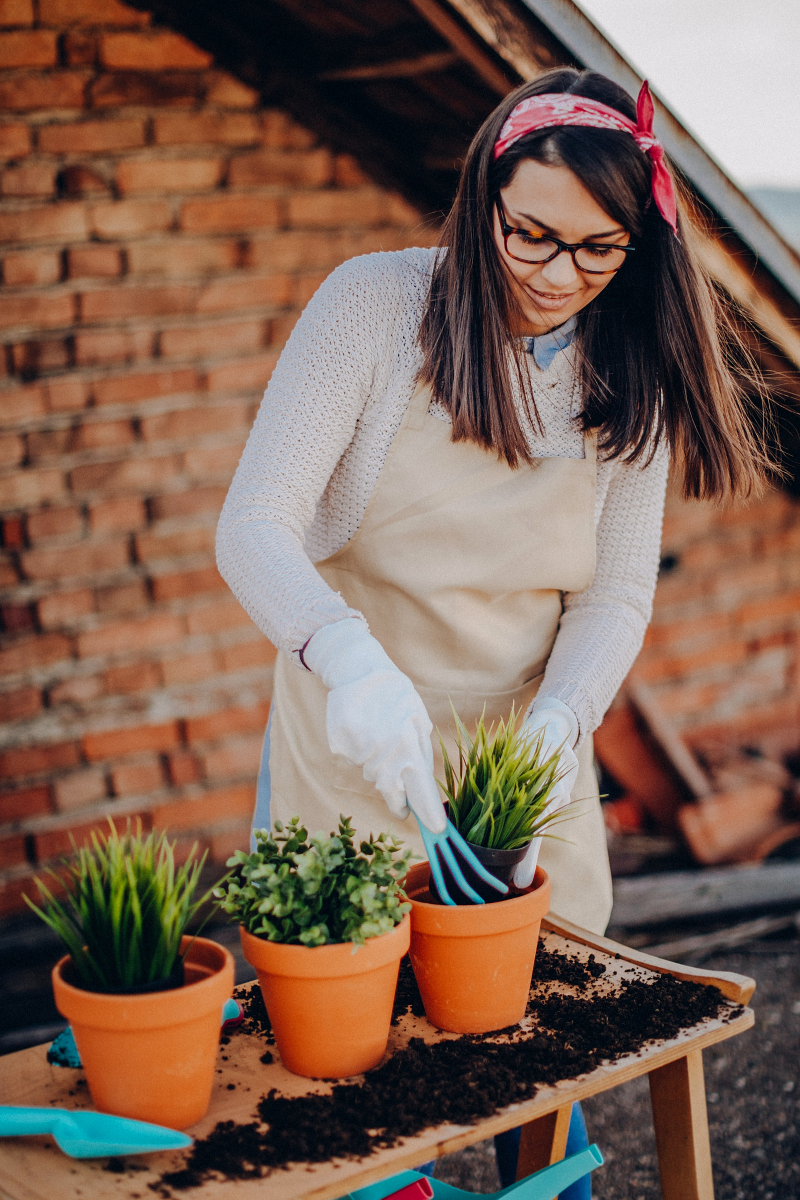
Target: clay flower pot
151,1056
474,963
330,1009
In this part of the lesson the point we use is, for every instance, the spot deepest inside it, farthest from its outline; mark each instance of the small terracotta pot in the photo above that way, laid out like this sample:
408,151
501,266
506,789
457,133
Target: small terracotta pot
152,1056
330,1009
474,963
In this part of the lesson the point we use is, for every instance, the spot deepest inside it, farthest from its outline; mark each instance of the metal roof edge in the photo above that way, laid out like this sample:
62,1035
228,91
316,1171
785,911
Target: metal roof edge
589,46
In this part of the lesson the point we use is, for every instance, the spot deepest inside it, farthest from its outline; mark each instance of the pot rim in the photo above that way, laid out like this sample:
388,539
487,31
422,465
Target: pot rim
327,962
175,1006
475,920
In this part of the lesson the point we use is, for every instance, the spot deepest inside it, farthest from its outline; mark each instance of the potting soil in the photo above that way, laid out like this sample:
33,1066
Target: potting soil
453,1081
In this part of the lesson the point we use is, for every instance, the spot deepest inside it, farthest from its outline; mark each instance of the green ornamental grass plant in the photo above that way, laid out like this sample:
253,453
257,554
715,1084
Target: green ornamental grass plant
498,792
126,910
319,890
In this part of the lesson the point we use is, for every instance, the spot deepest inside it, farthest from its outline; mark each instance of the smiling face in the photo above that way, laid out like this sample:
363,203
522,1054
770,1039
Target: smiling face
550,199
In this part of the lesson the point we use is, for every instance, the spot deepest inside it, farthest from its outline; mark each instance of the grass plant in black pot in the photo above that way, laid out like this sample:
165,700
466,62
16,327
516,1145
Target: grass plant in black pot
497,797
143,997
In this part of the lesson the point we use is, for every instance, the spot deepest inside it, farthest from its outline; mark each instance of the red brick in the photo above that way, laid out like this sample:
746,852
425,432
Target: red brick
168,175
21,404
66,395
160,89
79,48
273,291
37,760
80,789
246,655
29,487
228,92
11,896
126,637
187,583
13,852
313,168
197,341
106,346
92,137
138,677
189,504
30,179
17,618
347,172
64,608
128,389
234,759
90,12
86,262
189,668
84,559
151,52
80,180
15,141
230,720
119,742
205,462
58,843
47,443
12,450
174,258
27,654
189,423
110,304
8,574
186,129
44,312
40,355
124,598
134,778
770,607
183,768
215,618
135,474
81,689
119,515
305,287
22,267
247,375
20,705
216,806
58,222
126,218
230,213
17,806
55,89
225,843
329,209
54,523
16,12
28,48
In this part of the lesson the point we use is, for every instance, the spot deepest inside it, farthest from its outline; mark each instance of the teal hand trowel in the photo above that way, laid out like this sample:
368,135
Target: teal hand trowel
83,1134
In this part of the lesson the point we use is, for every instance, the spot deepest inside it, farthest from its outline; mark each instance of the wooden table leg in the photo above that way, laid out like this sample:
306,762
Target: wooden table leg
678,1097
543,1141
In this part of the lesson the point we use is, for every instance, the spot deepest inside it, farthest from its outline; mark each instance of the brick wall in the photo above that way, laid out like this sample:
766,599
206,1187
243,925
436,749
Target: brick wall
159,233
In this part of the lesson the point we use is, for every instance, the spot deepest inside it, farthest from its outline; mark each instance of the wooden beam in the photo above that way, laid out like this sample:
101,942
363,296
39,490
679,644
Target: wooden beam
543,1142
680,1118
401,68
527,51
446,25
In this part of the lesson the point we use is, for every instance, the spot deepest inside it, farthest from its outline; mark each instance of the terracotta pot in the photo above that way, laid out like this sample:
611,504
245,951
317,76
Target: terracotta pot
152,1056
474,963
330,1008
501,863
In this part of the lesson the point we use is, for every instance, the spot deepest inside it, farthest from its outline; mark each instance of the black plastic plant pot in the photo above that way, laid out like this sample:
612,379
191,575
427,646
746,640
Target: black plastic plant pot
501,863
169,983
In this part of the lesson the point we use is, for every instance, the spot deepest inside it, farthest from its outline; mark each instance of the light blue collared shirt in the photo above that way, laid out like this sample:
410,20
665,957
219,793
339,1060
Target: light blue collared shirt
547,346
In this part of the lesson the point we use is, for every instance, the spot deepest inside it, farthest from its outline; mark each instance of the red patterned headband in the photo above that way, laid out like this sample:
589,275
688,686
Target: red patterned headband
562,108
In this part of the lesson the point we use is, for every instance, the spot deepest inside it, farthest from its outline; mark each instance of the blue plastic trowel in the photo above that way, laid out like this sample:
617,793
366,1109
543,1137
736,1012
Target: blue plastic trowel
90,1134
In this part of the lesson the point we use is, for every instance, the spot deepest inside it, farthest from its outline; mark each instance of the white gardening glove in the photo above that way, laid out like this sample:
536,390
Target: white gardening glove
376,720
557,726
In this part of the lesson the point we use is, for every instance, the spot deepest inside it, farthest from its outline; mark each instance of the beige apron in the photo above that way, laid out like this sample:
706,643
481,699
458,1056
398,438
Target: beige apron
459,566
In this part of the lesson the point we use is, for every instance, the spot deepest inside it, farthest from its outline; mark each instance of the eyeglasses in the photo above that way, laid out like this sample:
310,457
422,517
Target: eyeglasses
593,258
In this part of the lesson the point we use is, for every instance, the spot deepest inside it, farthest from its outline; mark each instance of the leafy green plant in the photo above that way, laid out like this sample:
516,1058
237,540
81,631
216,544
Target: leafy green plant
126,910
499,790
319,890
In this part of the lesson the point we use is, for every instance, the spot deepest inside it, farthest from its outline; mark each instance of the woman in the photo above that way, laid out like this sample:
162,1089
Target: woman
454,487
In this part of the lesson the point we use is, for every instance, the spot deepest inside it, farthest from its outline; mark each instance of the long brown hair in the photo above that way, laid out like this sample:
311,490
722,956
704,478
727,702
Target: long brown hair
658,355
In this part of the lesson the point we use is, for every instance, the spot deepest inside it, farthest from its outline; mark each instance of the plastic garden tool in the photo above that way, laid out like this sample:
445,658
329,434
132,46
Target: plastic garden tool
90,1134
544,1185
446,844
64,1052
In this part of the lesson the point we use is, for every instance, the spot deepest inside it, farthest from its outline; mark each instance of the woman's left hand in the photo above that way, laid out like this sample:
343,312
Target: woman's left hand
557,726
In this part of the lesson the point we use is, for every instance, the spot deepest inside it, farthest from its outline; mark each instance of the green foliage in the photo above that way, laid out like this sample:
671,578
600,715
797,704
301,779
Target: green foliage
316,891
501,787
126,910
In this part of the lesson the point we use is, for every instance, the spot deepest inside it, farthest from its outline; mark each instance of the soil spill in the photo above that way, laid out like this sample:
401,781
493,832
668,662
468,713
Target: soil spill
457,1081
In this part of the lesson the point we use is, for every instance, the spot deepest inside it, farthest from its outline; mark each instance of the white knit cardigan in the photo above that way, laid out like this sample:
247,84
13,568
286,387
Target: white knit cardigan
332,408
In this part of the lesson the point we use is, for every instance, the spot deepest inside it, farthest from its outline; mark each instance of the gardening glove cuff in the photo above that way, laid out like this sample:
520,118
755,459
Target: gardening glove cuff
557,727
376,719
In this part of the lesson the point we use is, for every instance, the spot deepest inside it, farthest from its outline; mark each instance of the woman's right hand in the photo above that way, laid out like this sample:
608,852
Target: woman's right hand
376,719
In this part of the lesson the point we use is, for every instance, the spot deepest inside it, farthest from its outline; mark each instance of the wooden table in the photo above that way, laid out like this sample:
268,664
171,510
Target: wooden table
34,1169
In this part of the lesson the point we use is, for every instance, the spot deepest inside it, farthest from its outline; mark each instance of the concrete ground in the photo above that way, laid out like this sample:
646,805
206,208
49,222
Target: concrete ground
753,1092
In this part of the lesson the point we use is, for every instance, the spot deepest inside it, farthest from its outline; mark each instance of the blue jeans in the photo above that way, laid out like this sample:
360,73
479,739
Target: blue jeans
506,1144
